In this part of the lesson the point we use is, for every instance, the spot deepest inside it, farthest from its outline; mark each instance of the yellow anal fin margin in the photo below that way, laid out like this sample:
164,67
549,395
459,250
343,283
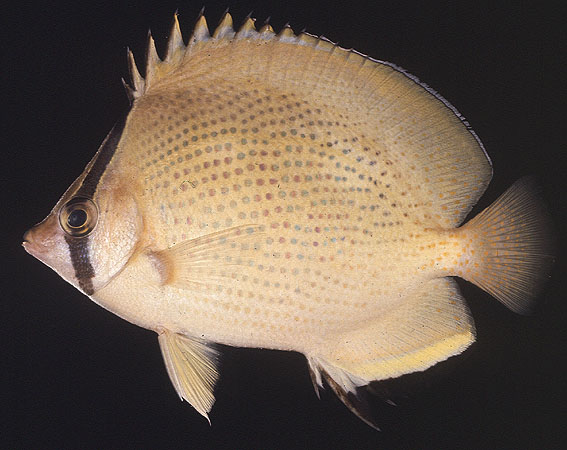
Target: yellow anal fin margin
430,326
192,368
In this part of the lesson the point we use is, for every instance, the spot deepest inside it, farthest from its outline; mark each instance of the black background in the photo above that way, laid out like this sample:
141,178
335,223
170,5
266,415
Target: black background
76,376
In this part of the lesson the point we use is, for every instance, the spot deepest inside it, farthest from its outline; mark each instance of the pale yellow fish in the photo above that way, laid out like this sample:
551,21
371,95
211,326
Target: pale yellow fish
277,191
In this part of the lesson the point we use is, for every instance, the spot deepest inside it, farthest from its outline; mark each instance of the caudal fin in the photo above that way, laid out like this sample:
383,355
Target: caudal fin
510,247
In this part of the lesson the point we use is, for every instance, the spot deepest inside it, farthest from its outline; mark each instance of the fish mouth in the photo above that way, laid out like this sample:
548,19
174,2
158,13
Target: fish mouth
28,243
27,237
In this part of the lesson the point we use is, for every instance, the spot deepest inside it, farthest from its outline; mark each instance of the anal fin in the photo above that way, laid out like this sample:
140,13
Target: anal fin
355,399
192,368
430,326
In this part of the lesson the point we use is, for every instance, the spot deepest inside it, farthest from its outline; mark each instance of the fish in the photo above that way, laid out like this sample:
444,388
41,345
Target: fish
274,190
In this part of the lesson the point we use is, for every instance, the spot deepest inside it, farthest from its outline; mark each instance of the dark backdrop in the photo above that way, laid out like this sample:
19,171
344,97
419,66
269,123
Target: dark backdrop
77,376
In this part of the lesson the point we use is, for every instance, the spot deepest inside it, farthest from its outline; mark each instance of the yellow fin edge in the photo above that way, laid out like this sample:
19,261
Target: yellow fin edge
418,360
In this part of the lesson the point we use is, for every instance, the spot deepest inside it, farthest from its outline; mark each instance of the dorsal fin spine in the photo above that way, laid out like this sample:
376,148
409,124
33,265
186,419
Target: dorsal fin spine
266,32
225,28
152,60
322,44
130,91
200,32
326,44
137,82
175,44
177,51
247,29
306,39
287,35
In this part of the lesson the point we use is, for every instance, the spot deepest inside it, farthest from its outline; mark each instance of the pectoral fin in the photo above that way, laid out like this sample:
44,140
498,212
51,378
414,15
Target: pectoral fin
197,263
192,367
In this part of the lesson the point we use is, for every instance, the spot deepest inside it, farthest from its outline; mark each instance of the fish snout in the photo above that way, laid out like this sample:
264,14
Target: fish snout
31,242
39,240
27,237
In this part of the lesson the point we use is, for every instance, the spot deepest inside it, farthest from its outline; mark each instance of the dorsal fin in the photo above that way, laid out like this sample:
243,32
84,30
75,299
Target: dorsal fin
411,123
176,50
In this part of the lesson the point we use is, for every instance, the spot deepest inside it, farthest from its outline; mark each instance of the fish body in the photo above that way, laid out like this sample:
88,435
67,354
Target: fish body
278,191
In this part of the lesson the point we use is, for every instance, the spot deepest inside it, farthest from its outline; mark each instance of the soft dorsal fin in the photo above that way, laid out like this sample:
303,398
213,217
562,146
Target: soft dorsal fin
192,368
409,123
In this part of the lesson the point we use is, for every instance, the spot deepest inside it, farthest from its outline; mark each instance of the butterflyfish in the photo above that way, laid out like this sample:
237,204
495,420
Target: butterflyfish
274,190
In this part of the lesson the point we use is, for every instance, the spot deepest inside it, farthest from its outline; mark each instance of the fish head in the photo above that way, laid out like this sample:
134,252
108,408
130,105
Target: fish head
89,238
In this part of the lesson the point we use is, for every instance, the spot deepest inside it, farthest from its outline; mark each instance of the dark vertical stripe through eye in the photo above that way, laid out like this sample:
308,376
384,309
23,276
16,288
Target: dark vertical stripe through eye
79,247
84,271
105,154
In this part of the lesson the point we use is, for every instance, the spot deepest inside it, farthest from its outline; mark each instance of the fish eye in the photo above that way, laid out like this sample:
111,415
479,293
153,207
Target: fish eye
78,217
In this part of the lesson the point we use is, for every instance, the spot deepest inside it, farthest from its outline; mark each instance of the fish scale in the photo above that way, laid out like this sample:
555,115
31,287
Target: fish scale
308,160
277,191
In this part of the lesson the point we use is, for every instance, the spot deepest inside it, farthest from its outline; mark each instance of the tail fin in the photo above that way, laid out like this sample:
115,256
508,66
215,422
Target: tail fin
511,244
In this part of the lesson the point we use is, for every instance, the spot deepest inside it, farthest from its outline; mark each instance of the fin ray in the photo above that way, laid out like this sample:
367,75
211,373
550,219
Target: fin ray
408,113
431,326
356,402
192,368
353,397
195,263
512,240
